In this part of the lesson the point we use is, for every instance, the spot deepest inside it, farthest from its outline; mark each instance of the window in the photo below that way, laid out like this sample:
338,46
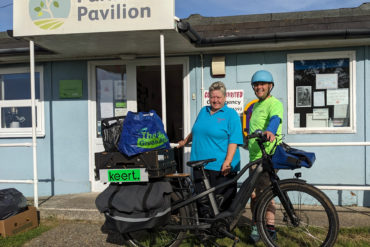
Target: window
111,92
321,90
15,102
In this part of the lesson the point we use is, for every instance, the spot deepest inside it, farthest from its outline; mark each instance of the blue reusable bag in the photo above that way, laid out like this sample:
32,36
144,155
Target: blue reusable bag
286,157
142,132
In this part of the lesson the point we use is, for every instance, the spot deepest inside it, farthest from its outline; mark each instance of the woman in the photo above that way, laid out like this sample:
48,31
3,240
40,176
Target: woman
216,134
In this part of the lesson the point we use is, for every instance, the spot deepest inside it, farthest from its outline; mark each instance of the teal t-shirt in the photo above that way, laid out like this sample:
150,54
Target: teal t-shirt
213,133
261,114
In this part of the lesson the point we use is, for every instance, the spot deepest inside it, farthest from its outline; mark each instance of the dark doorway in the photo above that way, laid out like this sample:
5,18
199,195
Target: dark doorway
149,98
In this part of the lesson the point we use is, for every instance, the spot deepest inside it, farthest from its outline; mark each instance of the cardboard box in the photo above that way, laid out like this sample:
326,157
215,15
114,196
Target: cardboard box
19,223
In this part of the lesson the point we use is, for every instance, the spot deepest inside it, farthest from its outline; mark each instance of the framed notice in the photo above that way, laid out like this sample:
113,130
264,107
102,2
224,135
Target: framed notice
320,92
303,96
69,89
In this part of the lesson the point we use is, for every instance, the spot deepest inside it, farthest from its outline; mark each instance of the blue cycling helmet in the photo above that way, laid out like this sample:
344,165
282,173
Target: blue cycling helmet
262,76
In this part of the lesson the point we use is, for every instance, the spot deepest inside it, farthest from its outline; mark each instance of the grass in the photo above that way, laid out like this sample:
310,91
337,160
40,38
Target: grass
21,238
354,237
348,237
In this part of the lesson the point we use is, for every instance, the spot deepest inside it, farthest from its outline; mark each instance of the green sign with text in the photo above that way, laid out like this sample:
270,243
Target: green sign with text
69,89
124,175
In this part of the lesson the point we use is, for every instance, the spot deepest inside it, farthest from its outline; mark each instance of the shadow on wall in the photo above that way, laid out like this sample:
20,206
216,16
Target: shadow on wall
366,199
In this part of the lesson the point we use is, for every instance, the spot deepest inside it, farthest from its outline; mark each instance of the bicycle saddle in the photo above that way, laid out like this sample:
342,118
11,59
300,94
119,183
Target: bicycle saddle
199,163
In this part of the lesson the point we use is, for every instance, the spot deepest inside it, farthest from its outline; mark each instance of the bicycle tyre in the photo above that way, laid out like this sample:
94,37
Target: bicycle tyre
318,218
161,237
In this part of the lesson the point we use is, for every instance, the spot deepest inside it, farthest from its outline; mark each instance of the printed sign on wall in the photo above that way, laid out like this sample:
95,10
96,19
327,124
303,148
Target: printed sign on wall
234,99
45,17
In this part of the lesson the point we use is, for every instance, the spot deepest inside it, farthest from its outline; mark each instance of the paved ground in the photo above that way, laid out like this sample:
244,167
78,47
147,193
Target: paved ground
73,234
84,230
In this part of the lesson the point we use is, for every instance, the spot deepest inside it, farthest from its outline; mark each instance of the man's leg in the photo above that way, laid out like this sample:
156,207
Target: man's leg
262,183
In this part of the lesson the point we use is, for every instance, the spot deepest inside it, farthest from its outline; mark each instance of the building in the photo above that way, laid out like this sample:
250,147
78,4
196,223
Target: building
319,60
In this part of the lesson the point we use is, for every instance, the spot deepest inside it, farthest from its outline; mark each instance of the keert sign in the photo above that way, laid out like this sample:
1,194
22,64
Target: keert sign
46,17
234,99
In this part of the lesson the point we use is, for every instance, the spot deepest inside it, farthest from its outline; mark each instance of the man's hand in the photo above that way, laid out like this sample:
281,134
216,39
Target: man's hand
269,135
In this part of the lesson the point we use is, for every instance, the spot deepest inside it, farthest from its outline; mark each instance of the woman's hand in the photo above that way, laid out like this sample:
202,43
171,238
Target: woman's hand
188,139
181,144
226,168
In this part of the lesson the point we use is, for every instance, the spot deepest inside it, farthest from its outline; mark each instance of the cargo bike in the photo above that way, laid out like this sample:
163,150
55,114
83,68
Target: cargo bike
304,215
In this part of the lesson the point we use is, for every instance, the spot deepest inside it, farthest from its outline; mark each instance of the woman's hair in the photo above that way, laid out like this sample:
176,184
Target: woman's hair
218,85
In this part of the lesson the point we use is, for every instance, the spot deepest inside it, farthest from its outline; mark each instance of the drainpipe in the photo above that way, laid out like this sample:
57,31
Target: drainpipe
202,77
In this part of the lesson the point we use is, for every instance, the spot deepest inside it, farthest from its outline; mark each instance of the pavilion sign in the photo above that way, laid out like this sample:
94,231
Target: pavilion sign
46,17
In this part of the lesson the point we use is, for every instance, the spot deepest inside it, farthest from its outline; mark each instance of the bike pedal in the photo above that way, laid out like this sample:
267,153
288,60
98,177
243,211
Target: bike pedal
230,235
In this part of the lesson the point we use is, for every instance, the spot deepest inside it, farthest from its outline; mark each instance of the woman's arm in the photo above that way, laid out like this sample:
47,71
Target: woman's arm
187,140
226,166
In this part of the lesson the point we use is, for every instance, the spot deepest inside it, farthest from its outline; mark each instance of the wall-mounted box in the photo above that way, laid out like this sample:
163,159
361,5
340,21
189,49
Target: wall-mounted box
218,66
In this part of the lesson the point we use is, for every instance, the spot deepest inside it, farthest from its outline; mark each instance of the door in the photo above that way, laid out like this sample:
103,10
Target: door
118,87
112,94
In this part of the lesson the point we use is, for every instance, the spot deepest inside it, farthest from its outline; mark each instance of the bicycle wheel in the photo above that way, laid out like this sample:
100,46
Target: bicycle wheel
318,222
162,237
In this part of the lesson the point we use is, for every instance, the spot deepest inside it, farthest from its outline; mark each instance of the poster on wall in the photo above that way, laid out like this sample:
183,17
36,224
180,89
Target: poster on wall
297,120
320,113
337,96
303,96
119,90
318,98
315,123
327,81
234,99
340,111
106,98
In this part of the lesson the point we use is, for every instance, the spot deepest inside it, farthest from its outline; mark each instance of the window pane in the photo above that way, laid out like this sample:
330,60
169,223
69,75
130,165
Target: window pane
18,86
110,92
16,117
322,93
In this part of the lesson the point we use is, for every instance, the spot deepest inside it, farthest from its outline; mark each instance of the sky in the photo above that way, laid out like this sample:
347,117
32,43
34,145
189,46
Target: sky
213,8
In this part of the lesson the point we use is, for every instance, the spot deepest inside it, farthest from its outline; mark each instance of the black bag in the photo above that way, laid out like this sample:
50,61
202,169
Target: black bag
133,207
111,129
286,157
12,202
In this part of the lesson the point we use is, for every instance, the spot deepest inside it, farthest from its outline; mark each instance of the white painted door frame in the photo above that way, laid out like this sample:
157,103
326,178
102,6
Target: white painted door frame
131,65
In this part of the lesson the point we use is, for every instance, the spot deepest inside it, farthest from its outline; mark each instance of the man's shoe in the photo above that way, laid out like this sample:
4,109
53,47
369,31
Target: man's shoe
272,233
255,236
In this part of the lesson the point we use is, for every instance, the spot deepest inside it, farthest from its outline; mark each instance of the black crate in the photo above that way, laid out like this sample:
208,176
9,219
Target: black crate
158,163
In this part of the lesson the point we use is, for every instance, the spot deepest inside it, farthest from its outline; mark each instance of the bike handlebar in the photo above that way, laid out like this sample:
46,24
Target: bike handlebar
258,134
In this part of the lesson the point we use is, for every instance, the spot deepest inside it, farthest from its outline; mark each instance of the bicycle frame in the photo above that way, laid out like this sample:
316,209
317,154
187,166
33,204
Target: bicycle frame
244,193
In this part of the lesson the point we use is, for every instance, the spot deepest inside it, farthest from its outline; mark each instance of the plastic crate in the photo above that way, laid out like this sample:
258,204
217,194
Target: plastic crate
157,163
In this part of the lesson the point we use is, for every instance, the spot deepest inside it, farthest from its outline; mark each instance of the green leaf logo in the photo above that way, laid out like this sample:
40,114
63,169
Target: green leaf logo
49,14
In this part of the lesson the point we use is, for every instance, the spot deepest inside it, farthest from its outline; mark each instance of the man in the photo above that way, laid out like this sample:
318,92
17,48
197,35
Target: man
267,115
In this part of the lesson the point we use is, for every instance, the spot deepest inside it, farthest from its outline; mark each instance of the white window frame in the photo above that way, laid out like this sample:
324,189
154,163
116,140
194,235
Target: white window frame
24,132
351,55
